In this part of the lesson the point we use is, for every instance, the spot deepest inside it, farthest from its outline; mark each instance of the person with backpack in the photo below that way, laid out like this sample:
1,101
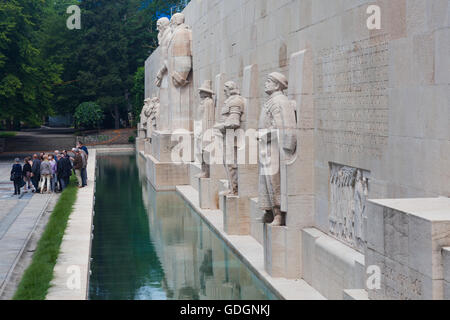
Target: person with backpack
16,176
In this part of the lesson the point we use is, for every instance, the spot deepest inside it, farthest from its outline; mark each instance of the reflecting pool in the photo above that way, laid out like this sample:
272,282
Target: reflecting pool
153,246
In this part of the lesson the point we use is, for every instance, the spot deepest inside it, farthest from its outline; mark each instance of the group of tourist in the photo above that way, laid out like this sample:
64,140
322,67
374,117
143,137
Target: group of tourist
48,173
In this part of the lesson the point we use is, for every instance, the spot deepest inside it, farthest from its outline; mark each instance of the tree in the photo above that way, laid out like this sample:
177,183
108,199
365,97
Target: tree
138,93
88,115
117,37
27,77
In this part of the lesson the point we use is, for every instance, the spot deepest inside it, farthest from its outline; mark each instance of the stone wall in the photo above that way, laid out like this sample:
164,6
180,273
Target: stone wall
380,100
372,101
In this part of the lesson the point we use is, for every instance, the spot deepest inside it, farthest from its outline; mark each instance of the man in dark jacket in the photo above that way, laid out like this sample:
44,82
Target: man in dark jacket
16,176
36,172
64,171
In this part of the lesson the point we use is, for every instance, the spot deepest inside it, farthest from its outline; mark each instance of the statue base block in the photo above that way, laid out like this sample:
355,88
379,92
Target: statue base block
206,196
140,144
256,225
282,252
165,176
236,215
147,146
164,143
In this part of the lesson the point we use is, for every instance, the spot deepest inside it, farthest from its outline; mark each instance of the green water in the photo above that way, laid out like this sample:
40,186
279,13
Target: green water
154,246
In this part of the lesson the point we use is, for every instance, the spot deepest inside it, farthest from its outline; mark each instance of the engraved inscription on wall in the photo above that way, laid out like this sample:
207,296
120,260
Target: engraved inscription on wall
349,188
351,96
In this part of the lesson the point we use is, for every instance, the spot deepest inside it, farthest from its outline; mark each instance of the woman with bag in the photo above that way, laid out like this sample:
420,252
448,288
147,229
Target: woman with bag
16,176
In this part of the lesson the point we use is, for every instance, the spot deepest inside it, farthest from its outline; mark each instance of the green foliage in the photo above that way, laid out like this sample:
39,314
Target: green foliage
88,115
132,139
7,134
138,93
27,75
36,279
47,69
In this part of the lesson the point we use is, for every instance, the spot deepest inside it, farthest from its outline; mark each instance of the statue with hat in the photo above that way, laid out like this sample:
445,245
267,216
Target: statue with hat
203,124
277,143
231,114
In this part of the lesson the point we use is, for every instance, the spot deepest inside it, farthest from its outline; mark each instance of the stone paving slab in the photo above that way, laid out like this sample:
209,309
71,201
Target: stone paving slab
19,216
71,272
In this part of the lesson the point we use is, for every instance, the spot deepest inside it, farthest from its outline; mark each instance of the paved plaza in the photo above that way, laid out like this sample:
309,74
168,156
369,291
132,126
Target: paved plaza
19,216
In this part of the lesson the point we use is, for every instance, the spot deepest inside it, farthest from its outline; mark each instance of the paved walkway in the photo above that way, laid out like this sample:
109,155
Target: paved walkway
18,218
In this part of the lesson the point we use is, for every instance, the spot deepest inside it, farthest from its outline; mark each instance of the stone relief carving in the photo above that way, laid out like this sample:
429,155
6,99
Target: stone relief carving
348,195
154,113
204,122
231,112
277,143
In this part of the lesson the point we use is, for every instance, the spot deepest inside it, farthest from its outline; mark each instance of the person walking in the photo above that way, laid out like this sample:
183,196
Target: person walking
46,174
36,172
78,166
16,176
26,173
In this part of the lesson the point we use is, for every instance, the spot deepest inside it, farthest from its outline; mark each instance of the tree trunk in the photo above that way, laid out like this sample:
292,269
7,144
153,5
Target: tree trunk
116,117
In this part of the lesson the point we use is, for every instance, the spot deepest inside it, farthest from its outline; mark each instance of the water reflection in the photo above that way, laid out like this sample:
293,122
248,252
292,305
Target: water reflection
151,245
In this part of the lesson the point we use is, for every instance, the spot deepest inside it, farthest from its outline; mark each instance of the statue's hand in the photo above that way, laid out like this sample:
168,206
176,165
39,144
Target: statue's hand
158,82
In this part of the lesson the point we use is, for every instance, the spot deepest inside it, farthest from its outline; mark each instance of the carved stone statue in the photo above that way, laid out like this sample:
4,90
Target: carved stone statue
145,113
231,112
164,35
277,143
203,124
179,68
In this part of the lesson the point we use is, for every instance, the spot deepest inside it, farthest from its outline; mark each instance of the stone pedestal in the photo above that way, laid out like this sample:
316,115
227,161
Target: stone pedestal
147,147
282,252
331,266
206,201
173,146
140,144
405,239
168,162
165,176
256,224
236,215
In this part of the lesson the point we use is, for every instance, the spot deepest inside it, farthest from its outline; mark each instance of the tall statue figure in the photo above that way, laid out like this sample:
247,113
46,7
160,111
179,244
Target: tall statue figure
162,78
179,67
144,115
232,111
204,122
278,143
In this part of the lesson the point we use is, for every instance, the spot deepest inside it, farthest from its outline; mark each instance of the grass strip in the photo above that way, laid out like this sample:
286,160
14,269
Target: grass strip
36,279
7,134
